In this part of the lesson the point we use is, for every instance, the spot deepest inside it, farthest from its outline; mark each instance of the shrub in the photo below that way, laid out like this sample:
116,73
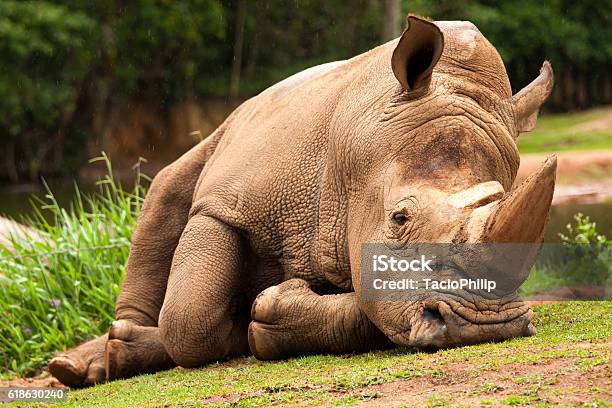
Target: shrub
582,258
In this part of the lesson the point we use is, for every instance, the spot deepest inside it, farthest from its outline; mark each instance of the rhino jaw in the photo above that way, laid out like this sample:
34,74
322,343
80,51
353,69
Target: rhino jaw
438,325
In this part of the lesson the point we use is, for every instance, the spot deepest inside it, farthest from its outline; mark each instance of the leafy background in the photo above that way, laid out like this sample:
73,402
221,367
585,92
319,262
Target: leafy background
63,62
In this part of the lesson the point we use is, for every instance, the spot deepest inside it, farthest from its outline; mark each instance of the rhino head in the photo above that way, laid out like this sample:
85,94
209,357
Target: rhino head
434,161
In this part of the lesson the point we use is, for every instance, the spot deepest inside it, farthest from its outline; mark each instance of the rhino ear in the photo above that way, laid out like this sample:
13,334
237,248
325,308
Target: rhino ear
528,100
417,53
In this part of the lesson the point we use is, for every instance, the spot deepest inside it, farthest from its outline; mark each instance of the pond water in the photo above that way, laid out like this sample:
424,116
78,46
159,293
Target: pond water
14,203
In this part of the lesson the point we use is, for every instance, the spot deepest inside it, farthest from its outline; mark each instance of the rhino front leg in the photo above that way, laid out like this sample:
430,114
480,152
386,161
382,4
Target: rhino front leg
290,319
204,316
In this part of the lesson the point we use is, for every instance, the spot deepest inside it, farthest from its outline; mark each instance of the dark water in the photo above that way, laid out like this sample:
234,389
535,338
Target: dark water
14,203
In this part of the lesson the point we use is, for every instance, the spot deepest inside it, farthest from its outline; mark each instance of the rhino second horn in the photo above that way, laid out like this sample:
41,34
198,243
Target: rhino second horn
477,196
521,215
528,100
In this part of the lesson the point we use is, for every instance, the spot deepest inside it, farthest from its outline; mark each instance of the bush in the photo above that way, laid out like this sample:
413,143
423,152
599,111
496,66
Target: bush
582,259
61,290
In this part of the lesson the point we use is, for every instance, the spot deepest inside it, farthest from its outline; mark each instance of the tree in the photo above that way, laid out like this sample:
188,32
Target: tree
44,61
238,46
391,27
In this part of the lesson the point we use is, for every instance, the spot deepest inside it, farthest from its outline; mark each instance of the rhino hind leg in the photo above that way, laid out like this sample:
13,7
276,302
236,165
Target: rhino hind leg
290,319
160,224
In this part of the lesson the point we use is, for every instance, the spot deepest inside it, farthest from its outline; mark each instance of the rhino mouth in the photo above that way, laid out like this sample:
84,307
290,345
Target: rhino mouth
443,323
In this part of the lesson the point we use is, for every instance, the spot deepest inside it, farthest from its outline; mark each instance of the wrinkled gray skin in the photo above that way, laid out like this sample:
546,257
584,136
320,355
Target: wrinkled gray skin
252,240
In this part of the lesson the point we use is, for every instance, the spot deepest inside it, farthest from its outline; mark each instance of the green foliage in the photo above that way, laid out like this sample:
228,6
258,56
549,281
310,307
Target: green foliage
570,34
583,233
61,289
163,45
588,250
584,258
67,65
44,56
281,41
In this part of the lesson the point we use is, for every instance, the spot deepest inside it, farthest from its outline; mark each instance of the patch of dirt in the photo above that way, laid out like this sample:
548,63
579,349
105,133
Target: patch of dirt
602,123
558,381
579,168
594,191
45,381
581,176
567,293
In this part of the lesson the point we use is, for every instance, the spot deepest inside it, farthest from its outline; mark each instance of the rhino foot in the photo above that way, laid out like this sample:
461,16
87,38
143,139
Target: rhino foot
133,350
82,366
126,350
290,319
278,325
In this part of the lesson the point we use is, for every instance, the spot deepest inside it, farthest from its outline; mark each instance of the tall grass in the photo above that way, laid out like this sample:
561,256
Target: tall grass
61,289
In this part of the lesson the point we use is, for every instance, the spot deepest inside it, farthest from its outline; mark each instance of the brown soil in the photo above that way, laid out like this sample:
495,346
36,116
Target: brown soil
572,167
554,381
567,293
581,176
46,381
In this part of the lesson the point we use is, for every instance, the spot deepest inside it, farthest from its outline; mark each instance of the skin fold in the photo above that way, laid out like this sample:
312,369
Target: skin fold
251,242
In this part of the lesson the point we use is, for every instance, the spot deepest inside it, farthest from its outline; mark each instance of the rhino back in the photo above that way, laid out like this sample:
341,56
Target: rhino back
264,177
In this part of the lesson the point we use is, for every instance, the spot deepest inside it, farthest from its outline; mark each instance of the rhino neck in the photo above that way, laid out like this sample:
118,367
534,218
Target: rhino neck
330,245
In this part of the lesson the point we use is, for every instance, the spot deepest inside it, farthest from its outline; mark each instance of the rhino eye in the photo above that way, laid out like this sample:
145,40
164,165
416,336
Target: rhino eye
400,218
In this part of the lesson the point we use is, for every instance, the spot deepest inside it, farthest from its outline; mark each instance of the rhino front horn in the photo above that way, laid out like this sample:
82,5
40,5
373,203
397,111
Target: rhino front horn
521,215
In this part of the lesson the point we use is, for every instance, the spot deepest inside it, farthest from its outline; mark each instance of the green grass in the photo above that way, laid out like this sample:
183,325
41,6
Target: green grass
562,132
60,291
347,380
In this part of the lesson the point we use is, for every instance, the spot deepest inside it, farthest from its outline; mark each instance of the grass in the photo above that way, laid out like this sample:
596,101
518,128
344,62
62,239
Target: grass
564,132
563,331
61,290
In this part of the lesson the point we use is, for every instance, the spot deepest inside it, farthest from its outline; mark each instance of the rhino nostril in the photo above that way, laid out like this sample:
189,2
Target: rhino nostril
430,314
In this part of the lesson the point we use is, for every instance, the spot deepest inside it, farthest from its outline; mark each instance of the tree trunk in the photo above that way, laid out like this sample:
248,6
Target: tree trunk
391,24
606,88
568,89
582,94
249,69
11,164
238,45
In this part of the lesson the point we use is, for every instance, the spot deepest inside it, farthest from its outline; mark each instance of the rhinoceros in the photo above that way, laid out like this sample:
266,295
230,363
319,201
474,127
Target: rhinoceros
251,241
